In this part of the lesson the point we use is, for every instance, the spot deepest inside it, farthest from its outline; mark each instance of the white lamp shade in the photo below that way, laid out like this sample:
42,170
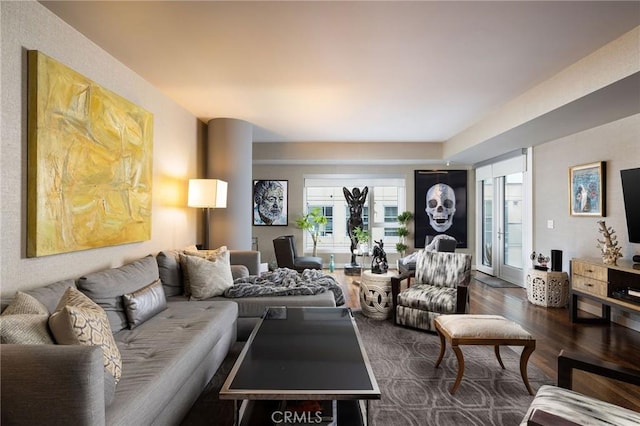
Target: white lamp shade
207,193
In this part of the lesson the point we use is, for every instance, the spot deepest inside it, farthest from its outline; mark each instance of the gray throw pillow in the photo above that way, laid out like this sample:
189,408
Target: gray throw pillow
144,303
107,287
170,272
239,271
51,294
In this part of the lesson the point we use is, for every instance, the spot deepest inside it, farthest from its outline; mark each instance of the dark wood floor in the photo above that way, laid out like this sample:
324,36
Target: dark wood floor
553,331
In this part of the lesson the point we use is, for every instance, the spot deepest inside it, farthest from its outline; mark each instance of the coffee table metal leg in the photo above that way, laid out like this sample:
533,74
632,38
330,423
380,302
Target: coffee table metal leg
363,411
367,420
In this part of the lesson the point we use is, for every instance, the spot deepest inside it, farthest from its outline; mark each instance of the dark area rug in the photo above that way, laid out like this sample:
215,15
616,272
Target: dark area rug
494,282
413,391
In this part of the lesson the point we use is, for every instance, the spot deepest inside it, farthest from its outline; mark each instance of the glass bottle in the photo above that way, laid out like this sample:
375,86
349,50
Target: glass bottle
332,264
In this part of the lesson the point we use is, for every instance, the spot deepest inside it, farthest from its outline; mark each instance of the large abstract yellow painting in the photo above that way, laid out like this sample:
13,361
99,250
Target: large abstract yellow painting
89,163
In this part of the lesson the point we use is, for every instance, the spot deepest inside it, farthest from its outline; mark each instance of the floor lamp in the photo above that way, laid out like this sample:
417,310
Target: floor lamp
207,194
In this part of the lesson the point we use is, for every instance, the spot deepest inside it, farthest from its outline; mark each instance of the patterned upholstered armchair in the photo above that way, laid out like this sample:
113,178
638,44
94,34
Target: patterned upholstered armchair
560,406
440,287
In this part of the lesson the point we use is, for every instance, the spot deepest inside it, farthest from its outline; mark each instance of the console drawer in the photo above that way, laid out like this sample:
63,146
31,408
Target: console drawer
589,285
590,270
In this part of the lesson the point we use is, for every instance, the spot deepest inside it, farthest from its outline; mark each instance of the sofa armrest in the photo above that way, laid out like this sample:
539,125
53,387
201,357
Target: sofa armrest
567,362
52,384
248,258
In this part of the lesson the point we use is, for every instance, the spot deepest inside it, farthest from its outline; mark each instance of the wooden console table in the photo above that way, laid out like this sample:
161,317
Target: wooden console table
592,279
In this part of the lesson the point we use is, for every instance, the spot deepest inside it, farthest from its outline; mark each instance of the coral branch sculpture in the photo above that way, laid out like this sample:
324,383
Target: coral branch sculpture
609,246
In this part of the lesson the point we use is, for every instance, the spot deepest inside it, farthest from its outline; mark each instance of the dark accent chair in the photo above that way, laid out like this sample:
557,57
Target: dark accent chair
560,406
441,287
285,250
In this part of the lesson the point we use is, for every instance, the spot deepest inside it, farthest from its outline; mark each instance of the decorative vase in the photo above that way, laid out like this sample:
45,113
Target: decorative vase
363,248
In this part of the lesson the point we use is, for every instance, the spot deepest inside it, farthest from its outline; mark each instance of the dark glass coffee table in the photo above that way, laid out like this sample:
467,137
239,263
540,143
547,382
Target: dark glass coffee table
302,353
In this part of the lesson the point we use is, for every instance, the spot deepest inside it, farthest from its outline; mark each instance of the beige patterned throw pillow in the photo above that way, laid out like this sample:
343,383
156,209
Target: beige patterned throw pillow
24,303
25,329
24,322
78,320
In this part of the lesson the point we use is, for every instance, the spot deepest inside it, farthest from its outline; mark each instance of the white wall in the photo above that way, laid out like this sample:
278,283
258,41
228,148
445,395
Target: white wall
617,143
29,25
295,175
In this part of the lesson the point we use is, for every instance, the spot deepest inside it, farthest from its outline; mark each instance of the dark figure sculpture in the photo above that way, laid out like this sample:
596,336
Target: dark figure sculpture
355,201
379,264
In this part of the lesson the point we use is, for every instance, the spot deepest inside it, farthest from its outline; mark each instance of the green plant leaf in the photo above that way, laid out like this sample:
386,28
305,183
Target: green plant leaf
405,217
362,235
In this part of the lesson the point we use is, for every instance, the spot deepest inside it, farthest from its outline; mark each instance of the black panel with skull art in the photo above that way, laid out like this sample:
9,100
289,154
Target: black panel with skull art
440,205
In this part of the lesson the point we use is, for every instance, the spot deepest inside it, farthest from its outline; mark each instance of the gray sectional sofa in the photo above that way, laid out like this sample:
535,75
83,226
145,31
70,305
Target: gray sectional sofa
166,361
250,309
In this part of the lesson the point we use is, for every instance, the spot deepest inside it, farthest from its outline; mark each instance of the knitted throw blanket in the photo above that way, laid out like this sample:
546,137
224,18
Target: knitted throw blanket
286,282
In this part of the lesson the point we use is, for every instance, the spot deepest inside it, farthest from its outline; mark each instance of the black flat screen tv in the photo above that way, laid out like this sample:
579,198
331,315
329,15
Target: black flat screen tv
631,193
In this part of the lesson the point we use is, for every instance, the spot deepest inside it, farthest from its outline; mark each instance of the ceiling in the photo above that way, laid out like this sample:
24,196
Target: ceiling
365,71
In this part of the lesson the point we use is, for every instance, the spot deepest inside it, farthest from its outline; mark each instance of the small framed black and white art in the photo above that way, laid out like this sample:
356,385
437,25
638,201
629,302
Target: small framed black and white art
270,203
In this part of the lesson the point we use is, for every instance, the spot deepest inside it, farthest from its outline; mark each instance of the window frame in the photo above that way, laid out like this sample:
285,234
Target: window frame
377,230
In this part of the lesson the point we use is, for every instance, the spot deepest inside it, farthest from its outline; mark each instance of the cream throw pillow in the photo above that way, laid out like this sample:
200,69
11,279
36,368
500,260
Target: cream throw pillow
207,254
78,320
24,303
24,322
25,329
193,251
208,277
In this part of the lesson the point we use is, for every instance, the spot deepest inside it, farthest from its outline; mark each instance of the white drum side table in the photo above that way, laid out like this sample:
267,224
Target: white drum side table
375,295
548,288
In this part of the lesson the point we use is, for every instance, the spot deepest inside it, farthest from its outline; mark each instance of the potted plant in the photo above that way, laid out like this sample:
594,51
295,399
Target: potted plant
403,232
313,222
362,235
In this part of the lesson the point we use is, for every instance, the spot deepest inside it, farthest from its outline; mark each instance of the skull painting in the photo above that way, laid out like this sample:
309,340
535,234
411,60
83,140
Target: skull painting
441,206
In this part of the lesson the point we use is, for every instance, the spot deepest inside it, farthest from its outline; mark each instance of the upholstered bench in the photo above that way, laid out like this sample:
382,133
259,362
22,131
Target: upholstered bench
493,330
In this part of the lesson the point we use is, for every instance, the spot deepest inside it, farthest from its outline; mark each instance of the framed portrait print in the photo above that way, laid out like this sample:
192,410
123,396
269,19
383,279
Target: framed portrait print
270,202
587,185
440,205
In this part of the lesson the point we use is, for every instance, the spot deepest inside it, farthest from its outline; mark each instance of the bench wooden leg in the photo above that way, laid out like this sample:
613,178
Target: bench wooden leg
443,347
460,357
524,359
496,349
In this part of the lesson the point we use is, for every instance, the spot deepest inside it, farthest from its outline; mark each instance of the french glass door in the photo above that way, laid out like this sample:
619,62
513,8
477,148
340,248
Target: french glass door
510,226
485,242
500,229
